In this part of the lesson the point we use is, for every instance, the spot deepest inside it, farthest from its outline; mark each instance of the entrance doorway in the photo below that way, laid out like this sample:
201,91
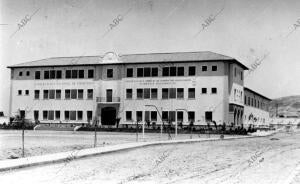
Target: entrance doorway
108,116
109,95
208,116
22,114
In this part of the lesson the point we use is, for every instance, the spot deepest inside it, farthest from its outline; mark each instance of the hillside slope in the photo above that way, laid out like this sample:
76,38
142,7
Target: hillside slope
286,106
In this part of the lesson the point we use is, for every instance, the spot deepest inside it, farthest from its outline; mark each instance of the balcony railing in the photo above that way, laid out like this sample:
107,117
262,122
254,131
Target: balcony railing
108,100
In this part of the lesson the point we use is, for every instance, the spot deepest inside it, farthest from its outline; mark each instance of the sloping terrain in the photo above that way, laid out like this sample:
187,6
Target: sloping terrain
286,106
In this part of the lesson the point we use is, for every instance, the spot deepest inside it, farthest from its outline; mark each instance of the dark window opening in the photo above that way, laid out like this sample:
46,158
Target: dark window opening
129,72
192,70
147,72
180,71
140,72
110,73
37,75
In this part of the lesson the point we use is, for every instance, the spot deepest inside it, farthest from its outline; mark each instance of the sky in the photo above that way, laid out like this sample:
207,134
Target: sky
261,31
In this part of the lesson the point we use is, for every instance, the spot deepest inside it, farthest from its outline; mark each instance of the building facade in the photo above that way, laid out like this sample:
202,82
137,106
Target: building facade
186,87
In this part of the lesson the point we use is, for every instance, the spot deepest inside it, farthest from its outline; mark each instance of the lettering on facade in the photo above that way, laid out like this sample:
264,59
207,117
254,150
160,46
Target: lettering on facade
62,83
159,81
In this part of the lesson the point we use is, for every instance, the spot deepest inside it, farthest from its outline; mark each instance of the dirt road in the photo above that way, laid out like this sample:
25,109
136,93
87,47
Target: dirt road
265,160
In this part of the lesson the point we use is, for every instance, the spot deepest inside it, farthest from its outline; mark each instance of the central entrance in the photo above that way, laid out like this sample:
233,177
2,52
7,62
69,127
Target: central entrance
108,116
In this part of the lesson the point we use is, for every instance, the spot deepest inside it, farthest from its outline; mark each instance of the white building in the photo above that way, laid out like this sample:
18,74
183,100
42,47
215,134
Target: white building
182,86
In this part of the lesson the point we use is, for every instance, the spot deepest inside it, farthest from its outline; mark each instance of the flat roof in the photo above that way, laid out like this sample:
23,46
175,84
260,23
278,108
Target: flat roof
248,89
130,59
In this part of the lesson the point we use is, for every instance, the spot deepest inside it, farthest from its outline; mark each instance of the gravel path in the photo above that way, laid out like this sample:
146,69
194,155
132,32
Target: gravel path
266,160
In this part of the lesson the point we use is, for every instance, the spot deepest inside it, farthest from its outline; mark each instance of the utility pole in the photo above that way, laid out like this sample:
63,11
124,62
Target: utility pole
95,137
23,137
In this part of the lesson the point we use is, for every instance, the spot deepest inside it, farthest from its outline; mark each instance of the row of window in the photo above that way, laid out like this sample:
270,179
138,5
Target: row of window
167,93
253,102
57,74
20,92
166,71
69,94
166,116
68,115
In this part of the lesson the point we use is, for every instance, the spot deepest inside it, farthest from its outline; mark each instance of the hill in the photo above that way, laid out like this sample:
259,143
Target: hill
286,106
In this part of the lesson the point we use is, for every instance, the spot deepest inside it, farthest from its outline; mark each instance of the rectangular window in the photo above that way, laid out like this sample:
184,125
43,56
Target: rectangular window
172,93
128,116
20,73
203,90
81,74
19,92
139,93
36,115
153,116
147,93
57,115
37,75
68,74
128,93
67,115
80,93
214,68
139,116
140,72
51,115
191,116
27,73
165,72
58,74
214,90
154,93
242,75
147,116
74,74
89,115
67,94
73,94
245,100
147,72
52,94
235,72
173,71
46,74
58,94
26,92
72,115
90,94
110,73
191,93
180,93
154,72
180,71
46,94
172,116
192,71
165,93
179,116
52,74
79,115
90,74
45,115
129,72
204,68
36,94
165,115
